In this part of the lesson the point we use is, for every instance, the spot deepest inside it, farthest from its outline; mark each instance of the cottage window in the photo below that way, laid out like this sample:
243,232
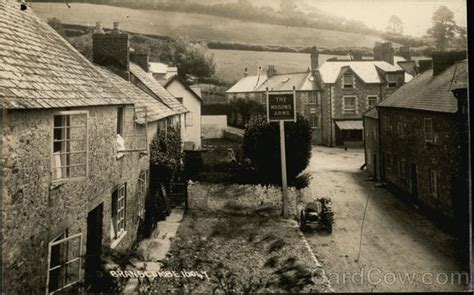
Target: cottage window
429,134
131,130
392,80
349,105
434,183
70,145
372,101
64,262
189,119
119,206
312,110
312,98
347,81
314,121
142,189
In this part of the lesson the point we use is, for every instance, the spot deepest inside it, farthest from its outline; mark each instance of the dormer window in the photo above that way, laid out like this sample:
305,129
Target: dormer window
348,81
392,80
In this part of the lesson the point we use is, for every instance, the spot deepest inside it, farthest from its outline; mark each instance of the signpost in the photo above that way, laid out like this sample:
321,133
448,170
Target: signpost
281,107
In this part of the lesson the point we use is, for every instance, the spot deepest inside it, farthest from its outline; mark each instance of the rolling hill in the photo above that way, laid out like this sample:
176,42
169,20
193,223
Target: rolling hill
199,27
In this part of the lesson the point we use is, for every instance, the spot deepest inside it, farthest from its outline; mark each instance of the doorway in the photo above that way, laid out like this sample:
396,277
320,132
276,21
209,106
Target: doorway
93,247
414,183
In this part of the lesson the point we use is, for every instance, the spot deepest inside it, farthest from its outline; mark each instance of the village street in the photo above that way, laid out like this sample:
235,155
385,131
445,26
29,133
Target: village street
396,239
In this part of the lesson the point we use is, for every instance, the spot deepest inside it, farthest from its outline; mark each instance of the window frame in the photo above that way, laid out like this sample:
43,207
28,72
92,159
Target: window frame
312,98
142,188
347,85
392,80
57,241
189,119
425,133
344,108
85,151
434,183
314,122
369,97
118,230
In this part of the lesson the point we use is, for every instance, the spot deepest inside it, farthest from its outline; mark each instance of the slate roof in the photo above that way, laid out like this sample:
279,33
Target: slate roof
372,113
193,90
155,110
366,70
302,81
460,79
429,93
39,69
155,87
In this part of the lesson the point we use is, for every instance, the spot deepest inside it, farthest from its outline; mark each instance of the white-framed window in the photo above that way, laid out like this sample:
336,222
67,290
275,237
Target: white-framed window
428,127
131,130
434,183
349,105
69,145
312,98
392,80
189,119
64,262
347,81
119,211
372,101
312,110
142,189
314,121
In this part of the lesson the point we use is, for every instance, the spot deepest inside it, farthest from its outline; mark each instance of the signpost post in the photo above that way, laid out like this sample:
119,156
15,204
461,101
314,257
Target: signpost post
281,107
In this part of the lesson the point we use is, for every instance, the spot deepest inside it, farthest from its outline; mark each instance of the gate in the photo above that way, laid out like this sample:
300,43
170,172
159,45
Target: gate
178,195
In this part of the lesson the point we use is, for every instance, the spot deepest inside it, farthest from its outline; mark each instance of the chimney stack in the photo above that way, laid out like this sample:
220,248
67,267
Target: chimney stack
384,52
443,60
112,50
405,52
98,28
246,72
314,55
142,59
271,71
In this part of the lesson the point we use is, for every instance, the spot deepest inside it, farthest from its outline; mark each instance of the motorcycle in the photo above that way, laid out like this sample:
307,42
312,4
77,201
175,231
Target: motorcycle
319,212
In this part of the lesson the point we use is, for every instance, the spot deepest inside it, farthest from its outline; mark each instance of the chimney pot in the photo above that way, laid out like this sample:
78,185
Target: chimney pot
246,72
116,27
98,28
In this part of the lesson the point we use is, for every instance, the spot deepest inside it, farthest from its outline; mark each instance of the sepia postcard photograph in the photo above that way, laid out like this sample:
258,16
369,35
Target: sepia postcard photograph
235,146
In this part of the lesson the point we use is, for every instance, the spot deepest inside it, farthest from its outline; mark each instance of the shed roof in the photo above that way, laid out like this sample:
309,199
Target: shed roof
430,92
155,110
157,89
372,113
39,69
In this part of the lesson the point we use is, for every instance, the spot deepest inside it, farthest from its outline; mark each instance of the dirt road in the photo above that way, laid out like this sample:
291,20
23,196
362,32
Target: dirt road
401,249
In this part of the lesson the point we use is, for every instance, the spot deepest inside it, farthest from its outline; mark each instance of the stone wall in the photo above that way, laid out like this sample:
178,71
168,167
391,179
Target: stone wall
35,211
372,154
410,146
213,126
244,199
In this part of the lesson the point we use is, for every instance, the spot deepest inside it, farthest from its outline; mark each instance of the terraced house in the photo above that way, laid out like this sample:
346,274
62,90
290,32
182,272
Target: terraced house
334,95
75,154
422,143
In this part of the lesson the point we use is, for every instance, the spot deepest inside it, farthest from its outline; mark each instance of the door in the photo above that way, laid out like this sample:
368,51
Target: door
413,182
93,246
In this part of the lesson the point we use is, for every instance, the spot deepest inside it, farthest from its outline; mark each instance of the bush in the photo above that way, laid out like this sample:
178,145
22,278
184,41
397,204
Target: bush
166,155
262,146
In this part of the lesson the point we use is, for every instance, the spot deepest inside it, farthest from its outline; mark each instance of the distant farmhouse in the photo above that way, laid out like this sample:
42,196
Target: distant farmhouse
416,140
76,142
334,95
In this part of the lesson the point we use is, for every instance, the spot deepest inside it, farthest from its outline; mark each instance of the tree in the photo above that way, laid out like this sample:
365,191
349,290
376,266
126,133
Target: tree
262,146
191,58
395,25
461,39
443,29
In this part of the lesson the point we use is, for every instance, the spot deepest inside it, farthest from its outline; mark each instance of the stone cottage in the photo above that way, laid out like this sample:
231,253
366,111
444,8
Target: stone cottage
423,138
75,157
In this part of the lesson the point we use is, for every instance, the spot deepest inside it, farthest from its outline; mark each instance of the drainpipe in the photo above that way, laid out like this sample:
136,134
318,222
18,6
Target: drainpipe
330,116
379,147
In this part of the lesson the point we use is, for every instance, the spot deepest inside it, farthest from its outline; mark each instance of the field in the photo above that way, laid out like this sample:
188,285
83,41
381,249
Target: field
231,63
199,27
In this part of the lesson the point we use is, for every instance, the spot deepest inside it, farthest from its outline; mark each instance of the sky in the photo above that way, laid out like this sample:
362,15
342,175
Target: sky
415,14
